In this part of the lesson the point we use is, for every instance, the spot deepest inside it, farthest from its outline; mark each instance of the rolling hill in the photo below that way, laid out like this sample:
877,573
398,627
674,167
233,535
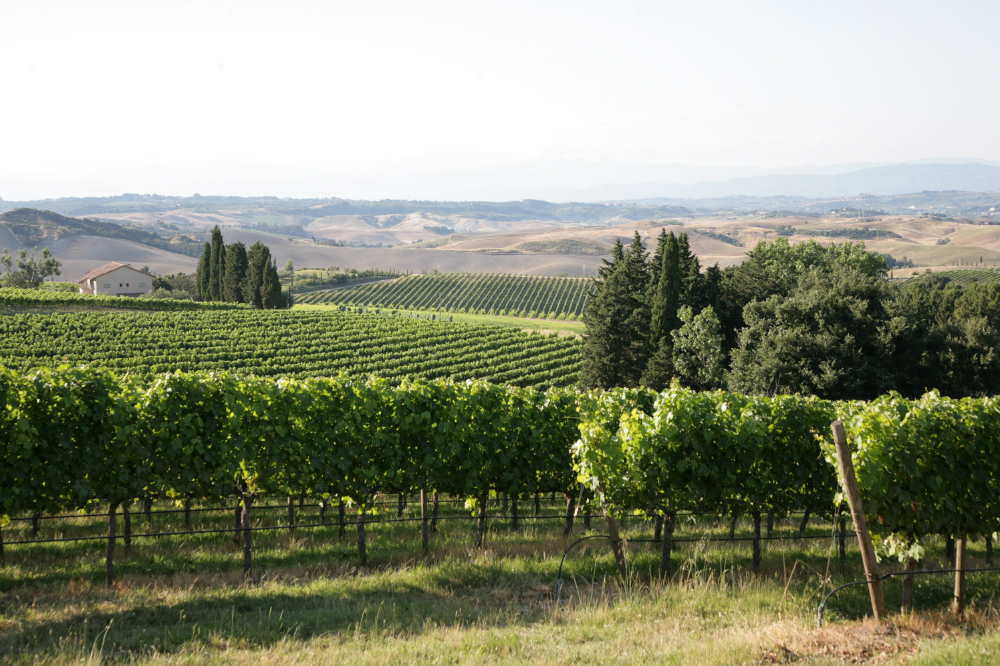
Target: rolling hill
35,228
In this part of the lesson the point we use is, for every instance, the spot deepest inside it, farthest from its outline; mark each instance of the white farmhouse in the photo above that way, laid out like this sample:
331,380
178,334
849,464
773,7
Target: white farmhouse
116,279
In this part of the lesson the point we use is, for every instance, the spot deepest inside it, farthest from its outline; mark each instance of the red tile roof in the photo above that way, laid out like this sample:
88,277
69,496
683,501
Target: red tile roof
106,268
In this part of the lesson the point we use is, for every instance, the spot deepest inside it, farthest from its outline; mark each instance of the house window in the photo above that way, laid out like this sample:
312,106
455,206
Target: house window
107,286
119,284
126,284
142,284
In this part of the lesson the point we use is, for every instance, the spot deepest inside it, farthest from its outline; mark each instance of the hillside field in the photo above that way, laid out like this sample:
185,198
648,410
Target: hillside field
289,343
545,297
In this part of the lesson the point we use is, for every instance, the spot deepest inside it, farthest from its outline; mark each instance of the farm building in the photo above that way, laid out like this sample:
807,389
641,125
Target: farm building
116,279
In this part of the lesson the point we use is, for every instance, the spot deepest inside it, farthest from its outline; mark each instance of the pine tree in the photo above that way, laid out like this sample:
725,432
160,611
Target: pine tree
217,265
616,345
236,273
258,259
203,281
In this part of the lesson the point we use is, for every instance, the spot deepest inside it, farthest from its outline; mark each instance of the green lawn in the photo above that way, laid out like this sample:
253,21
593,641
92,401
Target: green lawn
180,600
546,325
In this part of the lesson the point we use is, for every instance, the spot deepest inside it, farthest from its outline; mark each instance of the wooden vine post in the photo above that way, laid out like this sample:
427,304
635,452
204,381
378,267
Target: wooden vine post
481,523
424,527
959,603
110,558
858,515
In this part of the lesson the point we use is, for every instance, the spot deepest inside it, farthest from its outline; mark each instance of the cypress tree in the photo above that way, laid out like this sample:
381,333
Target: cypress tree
236,273
666,298
663,317
272,288
608,267
694,290
258,259
656,262
217,265
203,281
616,345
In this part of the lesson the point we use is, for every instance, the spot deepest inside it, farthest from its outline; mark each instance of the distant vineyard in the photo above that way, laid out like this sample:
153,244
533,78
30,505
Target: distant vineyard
26,300
491,293
961,277
288,344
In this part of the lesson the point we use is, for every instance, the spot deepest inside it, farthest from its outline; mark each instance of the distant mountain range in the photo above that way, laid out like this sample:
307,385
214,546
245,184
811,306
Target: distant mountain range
560,181
971,188
892,179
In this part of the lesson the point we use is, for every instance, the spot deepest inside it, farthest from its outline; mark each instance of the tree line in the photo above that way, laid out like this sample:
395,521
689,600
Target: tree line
804,318
234,274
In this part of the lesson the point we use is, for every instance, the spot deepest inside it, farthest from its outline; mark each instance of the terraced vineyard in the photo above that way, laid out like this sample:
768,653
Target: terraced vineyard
489,293
289,344
962,277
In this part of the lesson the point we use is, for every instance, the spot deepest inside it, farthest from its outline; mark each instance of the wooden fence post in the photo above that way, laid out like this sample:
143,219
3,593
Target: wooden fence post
858,515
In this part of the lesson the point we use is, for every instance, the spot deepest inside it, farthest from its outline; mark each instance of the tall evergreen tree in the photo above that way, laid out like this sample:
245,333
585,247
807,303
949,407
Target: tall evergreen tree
656,263
236,273
271,298
608,267
258,259
666,298
203,281
616,345
217,265
663,316
696,292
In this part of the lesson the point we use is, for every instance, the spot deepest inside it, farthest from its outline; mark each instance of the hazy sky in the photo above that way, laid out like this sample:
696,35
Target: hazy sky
368,98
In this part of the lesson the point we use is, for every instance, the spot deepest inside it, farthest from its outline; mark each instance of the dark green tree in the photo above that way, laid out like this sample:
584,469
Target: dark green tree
236,273
217,267
696,290
616,345
608,267
656,262
832,337
663,315
773,268
204,275
258,259
951,338
699,359
666,297
272,297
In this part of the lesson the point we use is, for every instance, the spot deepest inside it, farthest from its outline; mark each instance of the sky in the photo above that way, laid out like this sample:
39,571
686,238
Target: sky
418,99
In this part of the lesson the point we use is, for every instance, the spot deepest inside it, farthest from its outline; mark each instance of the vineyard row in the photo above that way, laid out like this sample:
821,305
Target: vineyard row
491,293
289,344
74,436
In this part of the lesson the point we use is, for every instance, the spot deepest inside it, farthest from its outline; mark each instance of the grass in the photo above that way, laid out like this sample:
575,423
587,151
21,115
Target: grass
180,600
560,326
